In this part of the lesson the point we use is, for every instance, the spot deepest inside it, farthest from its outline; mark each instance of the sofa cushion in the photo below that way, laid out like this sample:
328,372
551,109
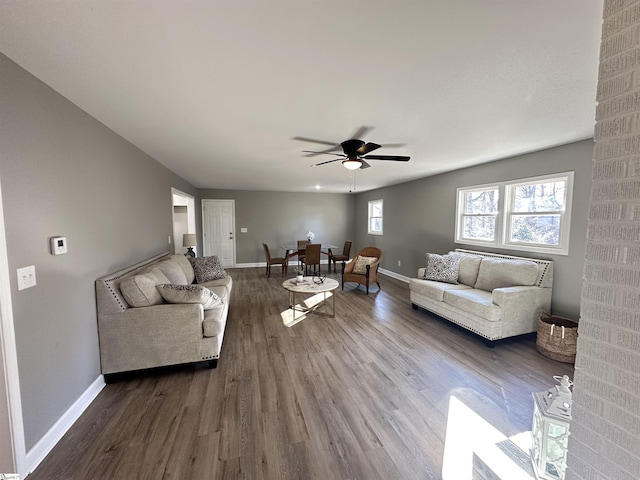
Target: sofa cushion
207,268
469,267
474,302
173,272
499,272
214,285
189,294
140,290
360,266
185,265
432,289
442,268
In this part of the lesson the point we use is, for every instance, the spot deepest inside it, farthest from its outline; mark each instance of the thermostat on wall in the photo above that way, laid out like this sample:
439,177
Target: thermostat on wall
58,245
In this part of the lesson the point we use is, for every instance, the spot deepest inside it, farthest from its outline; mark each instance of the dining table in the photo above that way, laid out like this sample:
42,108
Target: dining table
291,250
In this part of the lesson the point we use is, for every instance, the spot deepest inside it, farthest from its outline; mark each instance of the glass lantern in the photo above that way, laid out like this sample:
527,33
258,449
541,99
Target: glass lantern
551,417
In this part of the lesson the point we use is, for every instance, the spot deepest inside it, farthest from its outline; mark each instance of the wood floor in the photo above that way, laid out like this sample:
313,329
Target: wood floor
364,395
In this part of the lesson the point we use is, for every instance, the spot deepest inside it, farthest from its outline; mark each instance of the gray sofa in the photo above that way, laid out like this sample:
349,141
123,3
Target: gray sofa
139,329
495,296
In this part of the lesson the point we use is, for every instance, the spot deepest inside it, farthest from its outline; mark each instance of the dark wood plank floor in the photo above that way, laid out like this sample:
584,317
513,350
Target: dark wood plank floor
364,395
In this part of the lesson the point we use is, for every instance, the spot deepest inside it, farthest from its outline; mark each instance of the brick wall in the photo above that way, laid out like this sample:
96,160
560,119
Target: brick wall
605,430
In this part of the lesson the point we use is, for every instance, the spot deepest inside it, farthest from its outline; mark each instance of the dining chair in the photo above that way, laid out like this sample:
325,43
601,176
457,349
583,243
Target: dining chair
311,256
273,261
340,257
302,244
363,268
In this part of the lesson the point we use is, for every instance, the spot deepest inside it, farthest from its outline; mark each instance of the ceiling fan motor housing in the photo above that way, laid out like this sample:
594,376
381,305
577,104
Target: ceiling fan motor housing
350,147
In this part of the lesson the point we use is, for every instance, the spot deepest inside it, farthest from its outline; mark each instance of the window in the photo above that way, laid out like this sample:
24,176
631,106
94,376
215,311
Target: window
375,217
532,214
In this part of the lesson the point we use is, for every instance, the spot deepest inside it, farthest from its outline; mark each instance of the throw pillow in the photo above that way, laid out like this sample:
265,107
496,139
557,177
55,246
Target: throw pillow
442,268
207,268
361,264
189,294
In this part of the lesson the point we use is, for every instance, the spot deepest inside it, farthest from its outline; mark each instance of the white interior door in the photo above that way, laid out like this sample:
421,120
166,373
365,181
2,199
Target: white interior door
218,230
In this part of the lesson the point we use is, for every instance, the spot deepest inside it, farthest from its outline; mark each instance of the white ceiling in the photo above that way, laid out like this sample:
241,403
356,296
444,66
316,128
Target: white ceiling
216,90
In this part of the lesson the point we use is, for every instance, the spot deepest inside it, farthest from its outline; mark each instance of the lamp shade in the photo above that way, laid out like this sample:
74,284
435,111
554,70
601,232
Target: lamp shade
189,240
352,164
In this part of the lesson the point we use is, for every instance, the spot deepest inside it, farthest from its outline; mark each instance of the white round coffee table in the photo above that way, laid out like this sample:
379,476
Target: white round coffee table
320,293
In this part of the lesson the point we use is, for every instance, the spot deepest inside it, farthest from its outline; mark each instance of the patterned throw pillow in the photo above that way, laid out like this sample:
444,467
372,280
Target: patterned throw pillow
361,264
442,268
189,294
207,268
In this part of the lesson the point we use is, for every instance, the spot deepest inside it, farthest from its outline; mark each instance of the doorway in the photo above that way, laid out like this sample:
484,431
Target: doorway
184,218
218,230
12,444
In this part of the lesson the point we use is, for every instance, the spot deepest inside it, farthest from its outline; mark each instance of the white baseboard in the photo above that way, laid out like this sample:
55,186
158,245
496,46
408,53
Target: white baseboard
395,275
264,264
41,449
388,273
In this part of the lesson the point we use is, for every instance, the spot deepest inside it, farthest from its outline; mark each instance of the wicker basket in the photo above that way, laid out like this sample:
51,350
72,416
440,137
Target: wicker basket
557,337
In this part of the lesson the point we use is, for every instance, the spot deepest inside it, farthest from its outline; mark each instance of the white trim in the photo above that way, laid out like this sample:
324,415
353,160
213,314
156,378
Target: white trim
264,264
10,355
369,216
41,449
501,231
191,217
395,275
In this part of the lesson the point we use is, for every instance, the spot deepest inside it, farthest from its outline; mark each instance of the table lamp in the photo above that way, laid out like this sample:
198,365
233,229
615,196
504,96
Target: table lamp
189,240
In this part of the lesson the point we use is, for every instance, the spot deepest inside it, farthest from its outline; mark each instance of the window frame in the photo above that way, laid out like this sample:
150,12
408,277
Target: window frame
502,233
370,216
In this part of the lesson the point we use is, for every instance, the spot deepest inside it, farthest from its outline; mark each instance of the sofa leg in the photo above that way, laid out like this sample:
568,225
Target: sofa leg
212,363
489,343
414,306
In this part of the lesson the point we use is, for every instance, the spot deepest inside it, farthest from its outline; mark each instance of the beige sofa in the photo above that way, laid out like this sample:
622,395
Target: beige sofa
139,329
495,296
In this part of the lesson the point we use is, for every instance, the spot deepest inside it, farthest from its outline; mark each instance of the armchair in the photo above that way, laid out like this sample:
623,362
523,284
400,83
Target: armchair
363,268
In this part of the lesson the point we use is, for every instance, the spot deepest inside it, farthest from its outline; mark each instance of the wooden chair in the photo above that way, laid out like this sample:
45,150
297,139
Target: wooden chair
340,258
302,244
311,256
273,261
369,268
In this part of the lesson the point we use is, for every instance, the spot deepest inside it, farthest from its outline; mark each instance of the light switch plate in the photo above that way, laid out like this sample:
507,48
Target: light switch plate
243,230
26,277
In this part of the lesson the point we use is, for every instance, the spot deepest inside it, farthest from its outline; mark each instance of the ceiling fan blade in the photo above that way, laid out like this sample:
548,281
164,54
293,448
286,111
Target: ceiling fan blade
321,153
361,132
367,147
396,158
364,164
313,140
328,161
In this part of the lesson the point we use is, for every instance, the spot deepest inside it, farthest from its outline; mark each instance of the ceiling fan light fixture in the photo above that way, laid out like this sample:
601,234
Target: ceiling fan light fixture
352,163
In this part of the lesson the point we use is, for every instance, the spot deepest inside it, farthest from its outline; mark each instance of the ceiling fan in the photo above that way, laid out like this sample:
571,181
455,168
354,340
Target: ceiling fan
355,151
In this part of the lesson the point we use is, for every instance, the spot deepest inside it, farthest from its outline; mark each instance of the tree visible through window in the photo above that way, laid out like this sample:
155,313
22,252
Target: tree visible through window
375,217
530,214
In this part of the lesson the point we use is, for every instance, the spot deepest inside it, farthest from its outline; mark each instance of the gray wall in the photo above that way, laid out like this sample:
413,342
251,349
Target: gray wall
419,216
276,218
64,173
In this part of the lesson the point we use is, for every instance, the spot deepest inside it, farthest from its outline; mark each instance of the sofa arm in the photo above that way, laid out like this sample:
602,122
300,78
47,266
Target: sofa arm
144,337
421,272
522,304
